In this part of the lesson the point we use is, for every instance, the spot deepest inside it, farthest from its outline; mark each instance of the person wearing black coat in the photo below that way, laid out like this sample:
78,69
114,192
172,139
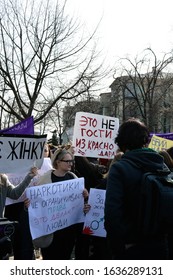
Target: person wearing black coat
122,196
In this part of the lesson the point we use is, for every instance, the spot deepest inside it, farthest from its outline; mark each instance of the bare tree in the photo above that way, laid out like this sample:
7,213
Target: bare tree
42,50
144,88
62,116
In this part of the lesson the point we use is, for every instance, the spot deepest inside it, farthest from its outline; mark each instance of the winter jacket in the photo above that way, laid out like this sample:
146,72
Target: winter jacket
122,194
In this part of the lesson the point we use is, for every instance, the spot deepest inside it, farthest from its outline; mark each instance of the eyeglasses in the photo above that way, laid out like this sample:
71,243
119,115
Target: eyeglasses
68,161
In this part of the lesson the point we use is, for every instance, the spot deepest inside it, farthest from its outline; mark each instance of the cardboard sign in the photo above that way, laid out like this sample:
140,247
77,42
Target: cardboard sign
158,143
16,178
94,135
55,206
94,220
18,153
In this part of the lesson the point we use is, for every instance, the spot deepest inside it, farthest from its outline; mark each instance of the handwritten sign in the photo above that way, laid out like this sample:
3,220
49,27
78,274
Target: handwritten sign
158,143
16,178
20,152
55,206
94,221
94,135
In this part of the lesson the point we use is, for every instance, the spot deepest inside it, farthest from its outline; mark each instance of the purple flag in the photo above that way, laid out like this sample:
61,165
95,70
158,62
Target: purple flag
24,127
168,136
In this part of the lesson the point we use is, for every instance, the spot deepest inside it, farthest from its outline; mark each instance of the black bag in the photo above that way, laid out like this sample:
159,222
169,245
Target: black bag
7,229
156,204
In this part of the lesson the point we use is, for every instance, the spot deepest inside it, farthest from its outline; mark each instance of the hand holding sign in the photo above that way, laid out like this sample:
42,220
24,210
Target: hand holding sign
33,172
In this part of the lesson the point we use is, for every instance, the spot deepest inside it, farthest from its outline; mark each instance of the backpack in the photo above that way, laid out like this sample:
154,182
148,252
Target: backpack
156,203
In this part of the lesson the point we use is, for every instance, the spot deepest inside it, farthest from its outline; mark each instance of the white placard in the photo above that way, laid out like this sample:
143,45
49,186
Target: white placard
55,206
94,135
94,220
15,179
19,153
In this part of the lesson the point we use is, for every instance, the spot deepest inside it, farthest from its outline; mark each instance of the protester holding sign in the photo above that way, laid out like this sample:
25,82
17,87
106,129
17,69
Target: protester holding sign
90,172
9,190
16,211
98,241
63,241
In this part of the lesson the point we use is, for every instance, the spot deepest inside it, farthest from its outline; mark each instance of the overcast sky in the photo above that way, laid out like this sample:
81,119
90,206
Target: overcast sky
128,26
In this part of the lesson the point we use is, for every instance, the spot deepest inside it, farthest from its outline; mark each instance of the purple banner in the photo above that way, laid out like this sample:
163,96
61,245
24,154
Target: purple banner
163,135
24,127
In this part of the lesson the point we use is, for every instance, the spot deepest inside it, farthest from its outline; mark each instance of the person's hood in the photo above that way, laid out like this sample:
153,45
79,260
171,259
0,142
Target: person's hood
147,159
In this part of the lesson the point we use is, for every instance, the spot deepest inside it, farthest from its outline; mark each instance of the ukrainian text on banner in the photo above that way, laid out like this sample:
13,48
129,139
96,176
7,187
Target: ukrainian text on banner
24,127
55,206
16,178
94,220
159,143
94,135
20,152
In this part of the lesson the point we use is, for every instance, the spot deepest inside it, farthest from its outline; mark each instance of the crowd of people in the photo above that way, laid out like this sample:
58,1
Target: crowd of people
120,178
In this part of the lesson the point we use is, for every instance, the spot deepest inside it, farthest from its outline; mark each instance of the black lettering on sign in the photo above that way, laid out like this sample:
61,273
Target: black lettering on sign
109,124
25,150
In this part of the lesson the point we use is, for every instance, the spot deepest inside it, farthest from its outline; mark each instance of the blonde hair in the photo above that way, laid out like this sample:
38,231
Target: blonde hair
59,155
